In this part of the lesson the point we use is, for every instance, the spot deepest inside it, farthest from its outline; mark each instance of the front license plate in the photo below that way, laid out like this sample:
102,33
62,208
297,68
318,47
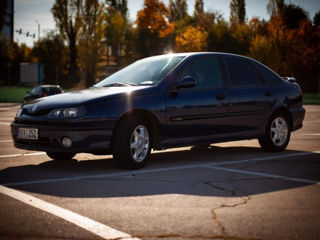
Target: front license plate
27,133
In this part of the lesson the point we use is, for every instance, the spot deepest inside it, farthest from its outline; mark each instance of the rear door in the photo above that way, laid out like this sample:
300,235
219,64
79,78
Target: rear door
251,99
198,114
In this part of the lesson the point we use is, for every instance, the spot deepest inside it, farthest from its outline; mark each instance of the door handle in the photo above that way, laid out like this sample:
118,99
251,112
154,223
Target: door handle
268,93
220,97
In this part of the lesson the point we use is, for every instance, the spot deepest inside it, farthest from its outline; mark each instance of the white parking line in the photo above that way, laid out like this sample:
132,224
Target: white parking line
22,155
126,173
263,175
4,123
3,141
86,223
310,134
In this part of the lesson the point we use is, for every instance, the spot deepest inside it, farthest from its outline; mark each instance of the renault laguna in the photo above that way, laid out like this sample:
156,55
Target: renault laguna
163,102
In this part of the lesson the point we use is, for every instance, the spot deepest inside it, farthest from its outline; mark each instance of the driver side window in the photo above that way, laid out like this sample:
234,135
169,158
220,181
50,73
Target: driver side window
206,72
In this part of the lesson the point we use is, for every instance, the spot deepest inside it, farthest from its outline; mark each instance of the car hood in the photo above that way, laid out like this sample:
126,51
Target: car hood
82,97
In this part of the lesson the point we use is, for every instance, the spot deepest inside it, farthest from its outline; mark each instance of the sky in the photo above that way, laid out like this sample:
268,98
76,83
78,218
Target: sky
31,13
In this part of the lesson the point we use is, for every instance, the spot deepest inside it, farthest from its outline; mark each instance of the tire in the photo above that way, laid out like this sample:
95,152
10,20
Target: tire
131,144
60,156
277,134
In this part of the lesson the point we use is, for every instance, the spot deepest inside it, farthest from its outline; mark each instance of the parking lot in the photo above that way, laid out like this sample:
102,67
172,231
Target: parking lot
226,191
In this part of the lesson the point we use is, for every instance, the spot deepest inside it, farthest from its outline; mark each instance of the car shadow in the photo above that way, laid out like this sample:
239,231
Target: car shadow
171,172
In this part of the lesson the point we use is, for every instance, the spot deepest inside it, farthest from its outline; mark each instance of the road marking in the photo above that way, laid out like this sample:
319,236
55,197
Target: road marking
5,123
264,175
22,155
310,134
86,223
2,141
126,173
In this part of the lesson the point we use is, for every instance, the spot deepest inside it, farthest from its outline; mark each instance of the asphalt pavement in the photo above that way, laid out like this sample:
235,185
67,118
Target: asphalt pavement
225,191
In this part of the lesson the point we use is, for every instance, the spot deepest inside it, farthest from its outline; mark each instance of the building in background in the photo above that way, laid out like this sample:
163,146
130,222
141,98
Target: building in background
7,31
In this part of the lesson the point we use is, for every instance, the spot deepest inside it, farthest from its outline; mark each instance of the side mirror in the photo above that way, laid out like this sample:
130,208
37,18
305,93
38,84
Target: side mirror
186,82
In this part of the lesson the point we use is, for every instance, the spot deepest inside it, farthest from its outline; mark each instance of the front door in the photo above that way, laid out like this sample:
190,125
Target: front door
197,114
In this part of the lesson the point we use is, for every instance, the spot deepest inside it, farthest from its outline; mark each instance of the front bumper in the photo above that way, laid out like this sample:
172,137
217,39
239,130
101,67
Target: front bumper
297,117
84,139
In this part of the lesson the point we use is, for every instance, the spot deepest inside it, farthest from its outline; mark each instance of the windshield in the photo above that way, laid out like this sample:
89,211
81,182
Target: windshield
148,71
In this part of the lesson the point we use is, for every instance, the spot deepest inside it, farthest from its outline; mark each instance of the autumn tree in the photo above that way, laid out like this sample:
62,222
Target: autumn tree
192,40
66,13
153,28
237,11
91,36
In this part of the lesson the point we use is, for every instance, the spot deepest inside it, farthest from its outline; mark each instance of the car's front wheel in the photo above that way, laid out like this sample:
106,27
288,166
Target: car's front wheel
277,135
60,156
132,143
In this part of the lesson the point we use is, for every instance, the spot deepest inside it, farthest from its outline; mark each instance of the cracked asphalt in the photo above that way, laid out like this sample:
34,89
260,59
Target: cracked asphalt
225,191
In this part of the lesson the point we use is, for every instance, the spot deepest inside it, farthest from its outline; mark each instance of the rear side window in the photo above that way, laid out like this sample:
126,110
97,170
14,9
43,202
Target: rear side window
36,91
267,75
206,71
242,72
53,90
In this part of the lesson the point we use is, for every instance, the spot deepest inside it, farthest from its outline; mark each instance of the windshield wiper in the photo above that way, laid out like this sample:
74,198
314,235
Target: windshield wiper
119,84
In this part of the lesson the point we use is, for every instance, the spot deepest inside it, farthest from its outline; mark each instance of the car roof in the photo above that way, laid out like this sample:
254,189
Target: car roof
49,86
189,54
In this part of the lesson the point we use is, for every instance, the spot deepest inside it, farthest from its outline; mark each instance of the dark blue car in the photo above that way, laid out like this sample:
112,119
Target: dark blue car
162,102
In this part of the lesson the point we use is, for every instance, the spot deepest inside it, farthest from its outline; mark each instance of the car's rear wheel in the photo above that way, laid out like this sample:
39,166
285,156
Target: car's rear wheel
277,135
132,143
60,156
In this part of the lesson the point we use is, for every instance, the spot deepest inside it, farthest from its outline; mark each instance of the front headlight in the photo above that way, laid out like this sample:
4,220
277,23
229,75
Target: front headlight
68,112
19,112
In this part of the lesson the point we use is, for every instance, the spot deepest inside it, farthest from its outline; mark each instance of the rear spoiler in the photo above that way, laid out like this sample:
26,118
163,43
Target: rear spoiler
290,79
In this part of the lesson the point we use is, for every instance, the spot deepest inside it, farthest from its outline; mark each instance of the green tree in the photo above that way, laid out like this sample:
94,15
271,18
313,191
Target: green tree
117,27
91,36
237,11
275,7
52,53
178,10
292,15
198,8
3,11
316,19
118,5
220,38
66,13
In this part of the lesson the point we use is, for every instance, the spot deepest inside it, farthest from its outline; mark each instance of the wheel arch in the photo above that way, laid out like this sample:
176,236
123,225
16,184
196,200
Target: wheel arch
150,118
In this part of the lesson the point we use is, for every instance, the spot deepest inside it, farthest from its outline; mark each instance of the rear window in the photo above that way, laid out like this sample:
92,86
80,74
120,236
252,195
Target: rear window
242,72
53,90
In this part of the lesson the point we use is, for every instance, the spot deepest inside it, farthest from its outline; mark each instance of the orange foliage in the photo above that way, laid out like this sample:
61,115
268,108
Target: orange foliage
192,40
154,16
